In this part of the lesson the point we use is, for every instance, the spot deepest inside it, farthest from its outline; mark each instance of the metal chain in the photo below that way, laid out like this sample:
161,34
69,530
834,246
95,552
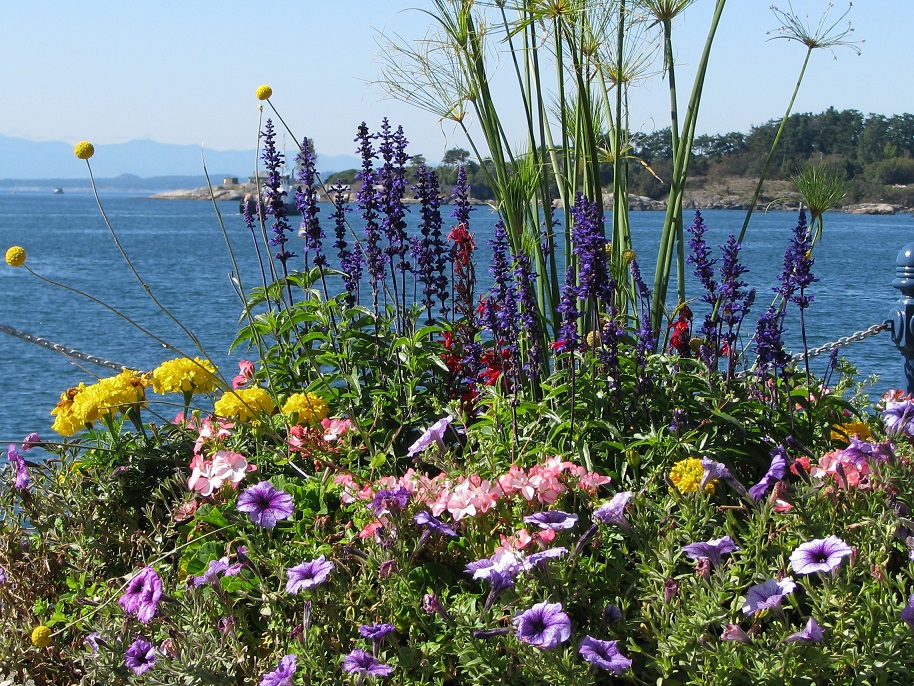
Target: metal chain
841,342
64,350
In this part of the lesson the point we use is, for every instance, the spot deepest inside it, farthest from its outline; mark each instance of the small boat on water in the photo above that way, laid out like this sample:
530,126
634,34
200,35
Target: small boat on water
58,191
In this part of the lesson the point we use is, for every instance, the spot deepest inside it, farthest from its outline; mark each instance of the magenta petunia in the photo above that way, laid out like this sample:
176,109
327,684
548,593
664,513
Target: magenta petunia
141,599
819,555
214,569
265,504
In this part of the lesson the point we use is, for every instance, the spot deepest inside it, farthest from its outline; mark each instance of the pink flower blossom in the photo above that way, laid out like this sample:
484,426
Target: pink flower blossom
209,432
334,429
246,373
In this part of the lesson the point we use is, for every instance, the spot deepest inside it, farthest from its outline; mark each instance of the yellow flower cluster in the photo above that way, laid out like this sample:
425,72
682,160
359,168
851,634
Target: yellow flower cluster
244,404
686,476
184,375
309,408
84,150
84,405
844,432
41,636
264,92
15,256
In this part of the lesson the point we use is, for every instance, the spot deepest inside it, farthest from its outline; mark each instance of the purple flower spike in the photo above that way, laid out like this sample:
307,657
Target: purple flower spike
811,633
552,519
308,574
544,625
768,596
712,550
140,656
613,512
365,664
604,654
22,472
430,522
266,504
820,555
775,473
907,612
376,632
142,595
282,675
434,434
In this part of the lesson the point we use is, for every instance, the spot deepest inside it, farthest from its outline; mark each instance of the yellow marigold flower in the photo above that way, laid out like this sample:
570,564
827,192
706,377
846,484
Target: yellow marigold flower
245,403
844,432
67,422
686,475
41,636
15,256
309,407
84,150
264,92
184,375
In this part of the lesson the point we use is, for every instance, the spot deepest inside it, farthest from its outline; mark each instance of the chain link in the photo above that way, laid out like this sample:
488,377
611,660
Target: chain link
62,349
841,342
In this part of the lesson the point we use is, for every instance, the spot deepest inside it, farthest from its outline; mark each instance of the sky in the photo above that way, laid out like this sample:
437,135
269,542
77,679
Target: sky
185,71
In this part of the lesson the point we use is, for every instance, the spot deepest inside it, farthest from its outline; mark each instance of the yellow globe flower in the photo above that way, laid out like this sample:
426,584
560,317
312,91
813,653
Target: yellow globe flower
15,256
264,92
687,474
309,407
244,404
84,150
184,375
41,636
629,256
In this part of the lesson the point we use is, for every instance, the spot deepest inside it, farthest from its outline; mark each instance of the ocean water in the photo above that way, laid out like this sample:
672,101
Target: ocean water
179,250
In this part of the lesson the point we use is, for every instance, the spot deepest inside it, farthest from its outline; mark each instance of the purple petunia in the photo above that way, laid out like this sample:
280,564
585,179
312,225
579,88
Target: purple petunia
365,664
30,441
376,632
22,472
503,561
3,578
718,470
308,574
142,595
613,512
811,633
907,612
433,434
820,555
214,569
91,640
282,675
768,596
734,632
140,656
554,520
604,654
899,417
430,522
776,471
712,550
537,559
387,500
266,504
544,625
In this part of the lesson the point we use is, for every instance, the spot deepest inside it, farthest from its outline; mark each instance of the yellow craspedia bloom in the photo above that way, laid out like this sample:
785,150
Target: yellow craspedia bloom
309,407
84,150
629,256
67,421
41,636
686,475
15,256
264,92
244,404
844,432
184,375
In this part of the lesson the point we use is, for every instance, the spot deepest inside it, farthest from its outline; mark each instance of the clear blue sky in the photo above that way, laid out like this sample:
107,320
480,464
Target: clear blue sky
185,71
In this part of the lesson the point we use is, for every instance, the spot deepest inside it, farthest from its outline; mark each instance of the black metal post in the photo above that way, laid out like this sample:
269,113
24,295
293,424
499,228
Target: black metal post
902,317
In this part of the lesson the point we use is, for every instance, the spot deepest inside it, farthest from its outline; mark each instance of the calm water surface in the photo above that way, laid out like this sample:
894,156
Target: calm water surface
179,249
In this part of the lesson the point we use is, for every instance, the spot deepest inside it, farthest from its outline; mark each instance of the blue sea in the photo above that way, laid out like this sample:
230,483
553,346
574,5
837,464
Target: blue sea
179,250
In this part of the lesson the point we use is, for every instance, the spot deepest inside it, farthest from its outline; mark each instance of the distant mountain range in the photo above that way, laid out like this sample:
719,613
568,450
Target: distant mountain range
23,160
